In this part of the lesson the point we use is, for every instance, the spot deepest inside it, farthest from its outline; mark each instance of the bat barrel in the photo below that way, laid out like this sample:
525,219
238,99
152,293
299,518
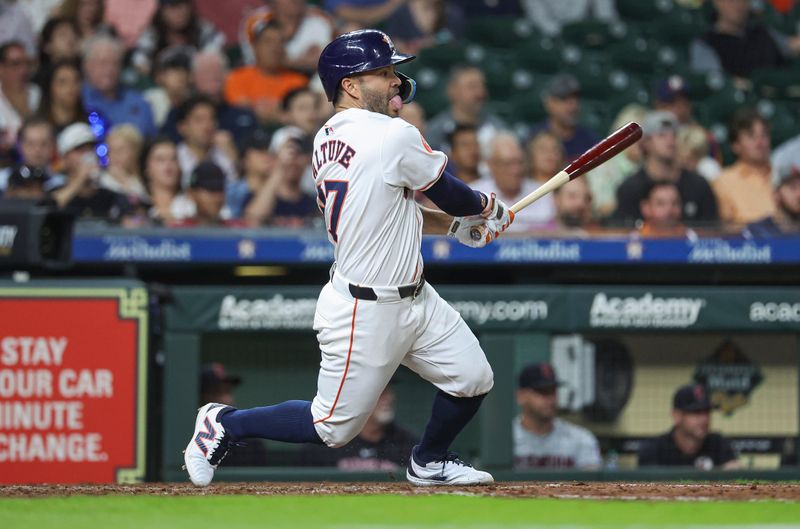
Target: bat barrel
606,149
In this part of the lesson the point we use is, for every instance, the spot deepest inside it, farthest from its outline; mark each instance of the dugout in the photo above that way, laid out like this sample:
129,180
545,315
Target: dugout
621,352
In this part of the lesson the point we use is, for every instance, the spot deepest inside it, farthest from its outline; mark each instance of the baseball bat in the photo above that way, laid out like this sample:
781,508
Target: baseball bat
615,143
604,150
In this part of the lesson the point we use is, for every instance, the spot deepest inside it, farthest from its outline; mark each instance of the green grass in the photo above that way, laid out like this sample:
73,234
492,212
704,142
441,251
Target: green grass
350,512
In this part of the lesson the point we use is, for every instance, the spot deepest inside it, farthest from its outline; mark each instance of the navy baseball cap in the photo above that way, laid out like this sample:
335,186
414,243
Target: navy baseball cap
562,86
208,175
667,90
538,376
692,397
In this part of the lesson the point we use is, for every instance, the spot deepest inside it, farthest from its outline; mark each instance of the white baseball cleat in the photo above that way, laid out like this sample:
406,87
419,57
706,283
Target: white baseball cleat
208,445
451,471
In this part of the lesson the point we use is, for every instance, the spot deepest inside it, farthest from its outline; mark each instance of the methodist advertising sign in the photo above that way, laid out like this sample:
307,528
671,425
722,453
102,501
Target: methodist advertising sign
73,367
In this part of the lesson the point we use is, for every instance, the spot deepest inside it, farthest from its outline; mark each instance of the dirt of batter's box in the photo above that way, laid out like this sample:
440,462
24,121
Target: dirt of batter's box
604,490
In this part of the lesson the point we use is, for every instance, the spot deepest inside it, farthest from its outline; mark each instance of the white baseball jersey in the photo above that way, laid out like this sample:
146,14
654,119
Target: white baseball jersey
367,167
567,446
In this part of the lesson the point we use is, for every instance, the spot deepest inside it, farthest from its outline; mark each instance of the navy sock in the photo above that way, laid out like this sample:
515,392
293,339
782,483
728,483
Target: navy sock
449,416
289,421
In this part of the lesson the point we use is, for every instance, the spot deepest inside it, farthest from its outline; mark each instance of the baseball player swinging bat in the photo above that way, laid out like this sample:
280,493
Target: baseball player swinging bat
603,151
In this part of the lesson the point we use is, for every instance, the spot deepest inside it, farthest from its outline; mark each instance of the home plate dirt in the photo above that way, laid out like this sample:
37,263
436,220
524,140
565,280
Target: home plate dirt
605,490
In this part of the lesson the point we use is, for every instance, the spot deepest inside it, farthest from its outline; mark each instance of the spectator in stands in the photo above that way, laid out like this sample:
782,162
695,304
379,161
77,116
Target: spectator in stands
744,189
549,16
25,183
18,98
201,139
207,192
693,151
689,442
58,42
465,154
89,15
604,180
660,163
123,174
62,102
263,86
561,99
299,115
420,24
363,13
15,26
103,91
573,203
506,163
541,438
257,164
216,385
545,156
209,69
36,148
381,445
175,23
130,19
162,178
281,201
661,211
466,91
787,154
786,182
306,30
672,95
414,114
738,45
82,192
173,82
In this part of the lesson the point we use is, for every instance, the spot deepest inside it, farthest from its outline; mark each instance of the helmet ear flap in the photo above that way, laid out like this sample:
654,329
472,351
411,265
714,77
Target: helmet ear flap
408,87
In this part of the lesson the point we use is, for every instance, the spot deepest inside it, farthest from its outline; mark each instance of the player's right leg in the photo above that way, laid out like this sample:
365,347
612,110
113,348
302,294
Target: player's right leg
362,343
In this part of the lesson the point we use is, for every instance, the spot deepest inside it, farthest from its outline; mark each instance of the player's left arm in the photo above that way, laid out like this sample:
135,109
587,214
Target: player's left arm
435,222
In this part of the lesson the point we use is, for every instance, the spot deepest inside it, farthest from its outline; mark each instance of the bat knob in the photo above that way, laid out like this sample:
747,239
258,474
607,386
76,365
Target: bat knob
475,234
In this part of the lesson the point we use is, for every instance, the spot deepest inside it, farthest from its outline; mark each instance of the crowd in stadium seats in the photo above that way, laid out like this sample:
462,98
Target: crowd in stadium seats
181,113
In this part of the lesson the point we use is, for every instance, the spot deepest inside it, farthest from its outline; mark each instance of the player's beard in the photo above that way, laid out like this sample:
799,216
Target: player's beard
375,102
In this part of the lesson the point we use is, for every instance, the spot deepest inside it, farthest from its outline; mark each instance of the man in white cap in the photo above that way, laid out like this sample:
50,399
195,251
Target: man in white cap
80,191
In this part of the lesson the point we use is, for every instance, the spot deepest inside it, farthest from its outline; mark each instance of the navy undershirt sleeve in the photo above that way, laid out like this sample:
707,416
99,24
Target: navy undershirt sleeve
454,197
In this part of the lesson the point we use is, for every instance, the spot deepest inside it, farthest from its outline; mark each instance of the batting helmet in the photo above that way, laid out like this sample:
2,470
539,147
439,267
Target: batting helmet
361,51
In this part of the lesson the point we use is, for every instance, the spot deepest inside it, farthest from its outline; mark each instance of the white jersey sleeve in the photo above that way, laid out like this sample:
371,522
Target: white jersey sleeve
407,159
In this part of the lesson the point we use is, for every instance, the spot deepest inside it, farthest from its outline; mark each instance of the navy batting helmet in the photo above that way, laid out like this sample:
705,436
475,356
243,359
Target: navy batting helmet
361,51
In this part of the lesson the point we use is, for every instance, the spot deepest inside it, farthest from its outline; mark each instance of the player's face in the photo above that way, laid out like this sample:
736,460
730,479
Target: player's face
693,423
378,87
541,404
788,196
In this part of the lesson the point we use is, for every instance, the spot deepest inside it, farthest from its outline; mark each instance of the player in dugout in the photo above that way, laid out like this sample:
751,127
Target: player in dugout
689,442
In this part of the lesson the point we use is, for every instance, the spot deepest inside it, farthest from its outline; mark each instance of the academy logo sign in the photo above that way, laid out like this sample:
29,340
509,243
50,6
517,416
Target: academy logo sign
729,376
647,311
775,312
276,312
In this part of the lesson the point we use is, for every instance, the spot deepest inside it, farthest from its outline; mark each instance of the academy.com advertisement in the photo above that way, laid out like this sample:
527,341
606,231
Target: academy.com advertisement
69,390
